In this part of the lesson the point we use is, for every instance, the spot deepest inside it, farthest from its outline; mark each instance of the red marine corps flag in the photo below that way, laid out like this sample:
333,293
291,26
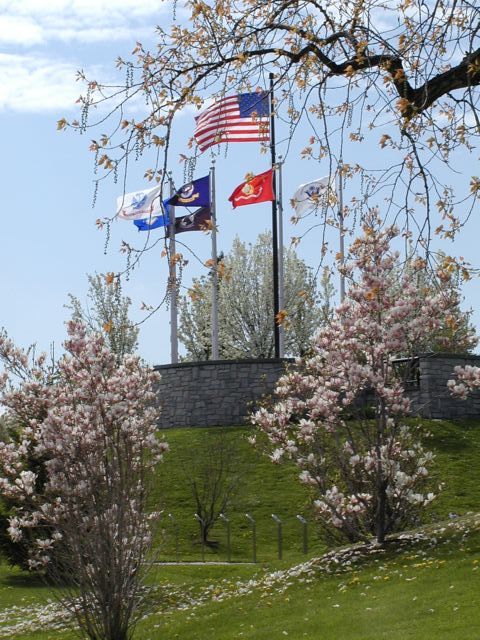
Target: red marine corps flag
254,189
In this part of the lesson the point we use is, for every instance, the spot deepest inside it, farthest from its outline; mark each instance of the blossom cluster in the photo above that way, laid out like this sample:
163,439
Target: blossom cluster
92,430
338,414
467,379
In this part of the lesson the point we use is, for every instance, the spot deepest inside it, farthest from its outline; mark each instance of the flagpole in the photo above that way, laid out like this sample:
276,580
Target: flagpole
281,281
215,355
341,229
173,282
276,307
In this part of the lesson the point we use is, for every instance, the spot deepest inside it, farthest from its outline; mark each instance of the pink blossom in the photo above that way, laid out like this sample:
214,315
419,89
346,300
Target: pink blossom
94,424
320,407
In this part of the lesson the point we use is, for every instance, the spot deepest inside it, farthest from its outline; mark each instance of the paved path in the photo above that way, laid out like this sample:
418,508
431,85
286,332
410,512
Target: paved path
194,562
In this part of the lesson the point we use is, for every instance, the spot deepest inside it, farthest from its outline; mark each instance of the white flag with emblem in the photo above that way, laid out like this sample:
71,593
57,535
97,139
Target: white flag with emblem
139,204
311,195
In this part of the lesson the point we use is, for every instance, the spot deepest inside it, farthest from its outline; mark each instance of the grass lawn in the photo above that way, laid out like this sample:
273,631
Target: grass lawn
267,488
25,601
264,489
425,591
428,590
457,450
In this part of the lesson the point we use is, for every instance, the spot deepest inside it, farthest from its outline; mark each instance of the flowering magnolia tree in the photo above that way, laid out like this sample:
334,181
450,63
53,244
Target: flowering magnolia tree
91,428
339,414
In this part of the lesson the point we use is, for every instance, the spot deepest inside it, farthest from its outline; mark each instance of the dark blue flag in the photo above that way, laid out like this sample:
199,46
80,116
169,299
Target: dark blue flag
192,194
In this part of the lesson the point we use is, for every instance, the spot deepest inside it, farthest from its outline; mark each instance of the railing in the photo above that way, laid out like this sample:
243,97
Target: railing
236,539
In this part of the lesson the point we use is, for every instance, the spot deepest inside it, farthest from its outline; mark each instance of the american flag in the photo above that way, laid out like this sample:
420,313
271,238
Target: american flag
241,118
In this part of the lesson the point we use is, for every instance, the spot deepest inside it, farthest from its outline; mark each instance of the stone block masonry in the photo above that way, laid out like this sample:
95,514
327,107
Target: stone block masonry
431,398
223,392
216,392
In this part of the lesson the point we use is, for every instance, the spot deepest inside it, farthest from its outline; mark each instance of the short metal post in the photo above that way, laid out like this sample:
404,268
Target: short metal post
229,546
175,529
202,525
254,536
279,535
305,533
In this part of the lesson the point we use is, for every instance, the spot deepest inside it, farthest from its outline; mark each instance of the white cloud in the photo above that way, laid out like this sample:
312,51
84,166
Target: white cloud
32,22
20,30
87,8
38,75
103,34
36,84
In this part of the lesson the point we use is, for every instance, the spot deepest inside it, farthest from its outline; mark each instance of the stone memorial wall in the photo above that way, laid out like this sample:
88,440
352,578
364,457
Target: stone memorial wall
214,393
223,392
429,395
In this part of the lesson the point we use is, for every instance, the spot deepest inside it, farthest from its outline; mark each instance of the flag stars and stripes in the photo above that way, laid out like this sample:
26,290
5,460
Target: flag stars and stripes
241,118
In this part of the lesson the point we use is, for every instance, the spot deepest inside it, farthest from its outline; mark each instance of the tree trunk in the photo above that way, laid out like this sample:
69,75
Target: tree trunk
381,510
381,483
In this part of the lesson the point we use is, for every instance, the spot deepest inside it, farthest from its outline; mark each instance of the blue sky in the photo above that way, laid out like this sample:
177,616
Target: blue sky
49,241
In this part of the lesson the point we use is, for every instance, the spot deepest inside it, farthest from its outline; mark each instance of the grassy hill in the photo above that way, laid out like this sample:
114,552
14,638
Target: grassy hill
264,489
267,488
425,588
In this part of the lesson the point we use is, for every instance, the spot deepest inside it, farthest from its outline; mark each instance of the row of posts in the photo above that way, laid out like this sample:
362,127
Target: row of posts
253,525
